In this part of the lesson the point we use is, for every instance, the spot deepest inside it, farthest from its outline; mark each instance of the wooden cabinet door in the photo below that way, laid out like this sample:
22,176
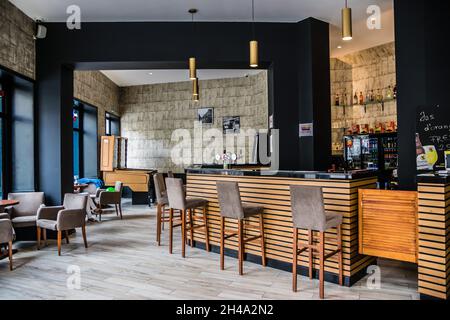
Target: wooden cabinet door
107,153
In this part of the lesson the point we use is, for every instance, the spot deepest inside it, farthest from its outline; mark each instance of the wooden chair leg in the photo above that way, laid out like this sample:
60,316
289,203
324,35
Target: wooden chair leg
120,211
183,233
44,233
294,258
191,228
38,236
263,245
241,246
205,220
222,243
10,255
163,217
83,229
170,230
322,264
311,254
340,263
66,233
117,209
59,242
158,223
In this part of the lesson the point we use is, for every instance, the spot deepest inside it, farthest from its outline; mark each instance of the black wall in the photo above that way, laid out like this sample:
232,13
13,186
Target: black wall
423,68
296,54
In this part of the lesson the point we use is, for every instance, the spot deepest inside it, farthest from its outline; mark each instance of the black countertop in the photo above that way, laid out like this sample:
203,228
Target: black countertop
349,175
433,178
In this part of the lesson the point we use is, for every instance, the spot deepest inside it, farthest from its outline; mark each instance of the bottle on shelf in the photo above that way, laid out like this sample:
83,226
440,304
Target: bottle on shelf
367,97
361,98
344,99
395,92
379,95
372,96
355,98
336,99
389,93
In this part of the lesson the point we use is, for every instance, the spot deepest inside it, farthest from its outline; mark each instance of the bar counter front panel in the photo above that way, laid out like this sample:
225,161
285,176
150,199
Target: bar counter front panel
272,192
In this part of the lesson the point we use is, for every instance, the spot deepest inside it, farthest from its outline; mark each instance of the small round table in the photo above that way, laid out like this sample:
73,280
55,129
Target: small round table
7,203
78,187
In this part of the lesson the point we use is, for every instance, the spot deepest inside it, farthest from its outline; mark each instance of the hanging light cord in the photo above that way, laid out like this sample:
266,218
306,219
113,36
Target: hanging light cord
253,19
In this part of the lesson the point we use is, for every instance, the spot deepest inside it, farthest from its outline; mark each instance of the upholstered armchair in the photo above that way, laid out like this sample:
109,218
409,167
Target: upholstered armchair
24,214
71,215
106,198
6,237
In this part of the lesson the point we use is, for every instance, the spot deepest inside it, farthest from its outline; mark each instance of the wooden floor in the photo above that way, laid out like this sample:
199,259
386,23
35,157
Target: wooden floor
123,262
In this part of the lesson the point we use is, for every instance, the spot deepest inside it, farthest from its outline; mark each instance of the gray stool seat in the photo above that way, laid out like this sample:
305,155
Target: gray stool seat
251,210
192,203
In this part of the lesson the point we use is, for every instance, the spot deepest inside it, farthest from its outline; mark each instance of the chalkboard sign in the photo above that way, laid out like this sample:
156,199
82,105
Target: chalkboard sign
433,134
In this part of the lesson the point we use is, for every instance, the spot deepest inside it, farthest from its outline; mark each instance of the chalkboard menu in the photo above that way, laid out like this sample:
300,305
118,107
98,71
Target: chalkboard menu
433,135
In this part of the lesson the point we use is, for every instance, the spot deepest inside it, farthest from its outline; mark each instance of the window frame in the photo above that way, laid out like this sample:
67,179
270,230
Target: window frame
109,117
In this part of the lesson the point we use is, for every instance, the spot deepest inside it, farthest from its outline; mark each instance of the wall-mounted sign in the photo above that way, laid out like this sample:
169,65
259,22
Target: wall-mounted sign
306,130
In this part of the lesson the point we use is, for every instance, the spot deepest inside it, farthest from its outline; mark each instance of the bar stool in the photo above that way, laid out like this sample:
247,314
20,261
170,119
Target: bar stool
308,212
178,201
231,207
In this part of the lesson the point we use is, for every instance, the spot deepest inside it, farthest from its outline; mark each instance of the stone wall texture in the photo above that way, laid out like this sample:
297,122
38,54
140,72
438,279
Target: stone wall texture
17,46
94,88
363,71
151,113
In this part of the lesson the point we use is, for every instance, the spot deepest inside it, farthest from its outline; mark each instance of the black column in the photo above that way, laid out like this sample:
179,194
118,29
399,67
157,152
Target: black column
314,94
422,71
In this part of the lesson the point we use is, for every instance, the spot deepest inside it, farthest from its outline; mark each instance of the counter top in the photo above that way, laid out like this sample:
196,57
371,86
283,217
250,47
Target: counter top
349,175
433,178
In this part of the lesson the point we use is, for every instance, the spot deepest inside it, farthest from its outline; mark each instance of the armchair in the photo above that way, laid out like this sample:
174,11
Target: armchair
71,215
7,237
106,198
24,214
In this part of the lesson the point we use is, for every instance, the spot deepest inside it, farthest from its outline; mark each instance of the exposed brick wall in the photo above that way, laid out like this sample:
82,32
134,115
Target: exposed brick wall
96,89
17,46
151,113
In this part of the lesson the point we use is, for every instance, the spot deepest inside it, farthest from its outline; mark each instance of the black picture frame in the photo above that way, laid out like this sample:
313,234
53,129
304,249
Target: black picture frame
232,125
205,115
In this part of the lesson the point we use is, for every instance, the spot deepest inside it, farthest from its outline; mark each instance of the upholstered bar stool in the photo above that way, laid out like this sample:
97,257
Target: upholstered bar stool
308,212
231,207
178,201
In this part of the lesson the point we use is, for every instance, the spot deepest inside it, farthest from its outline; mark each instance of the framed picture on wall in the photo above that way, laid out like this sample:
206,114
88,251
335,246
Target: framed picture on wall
205,115
231,125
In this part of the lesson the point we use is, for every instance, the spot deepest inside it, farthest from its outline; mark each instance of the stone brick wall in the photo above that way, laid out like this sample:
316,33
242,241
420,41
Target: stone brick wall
95,88
366,70
17,46
150,114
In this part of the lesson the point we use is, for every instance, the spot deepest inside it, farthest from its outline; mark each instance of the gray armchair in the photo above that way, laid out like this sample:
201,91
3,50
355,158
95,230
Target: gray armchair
24,214
106,198
71,215
6,237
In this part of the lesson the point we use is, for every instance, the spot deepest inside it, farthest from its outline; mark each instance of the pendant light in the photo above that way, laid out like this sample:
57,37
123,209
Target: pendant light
192,62
253,43
347,33
195,90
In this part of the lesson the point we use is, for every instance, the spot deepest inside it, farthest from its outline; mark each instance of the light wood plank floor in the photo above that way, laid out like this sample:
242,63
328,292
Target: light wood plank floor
124,262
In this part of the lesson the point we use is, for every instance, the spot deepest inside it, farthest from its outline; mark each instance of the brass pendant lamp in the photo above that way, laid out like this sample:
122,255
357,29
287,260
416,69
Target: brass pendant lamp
253,43
347,32
192,64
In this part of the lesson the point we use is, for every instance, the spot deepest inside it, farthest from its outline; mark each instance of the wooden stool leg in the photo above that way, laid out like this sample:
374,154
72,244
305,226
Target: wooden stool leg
44,233
191,227
158,224
67,236
183,233
294,258
163,217
322,264
241,246
311,254
59,242
340,263
117,209
10,255
263,246
120,211
83,230
205,221
38,233
222,243
170,230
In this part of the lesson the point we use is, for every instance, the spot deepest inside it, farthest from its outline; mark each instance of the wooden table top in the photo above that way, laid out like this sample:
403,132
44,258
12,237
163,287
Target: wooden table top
5,203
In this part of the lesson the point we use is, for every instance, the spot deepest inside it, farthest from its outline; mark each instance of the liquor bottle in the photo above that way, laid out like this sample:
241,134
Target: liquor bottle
361,98
389,93
336,99
379,95
345,100
355,98
395,92
372,96
367,97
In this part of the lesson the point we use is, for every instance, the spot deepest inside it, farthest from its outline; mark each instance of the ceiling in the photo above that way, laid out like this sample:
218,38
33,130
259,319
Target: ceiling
126,78
227,10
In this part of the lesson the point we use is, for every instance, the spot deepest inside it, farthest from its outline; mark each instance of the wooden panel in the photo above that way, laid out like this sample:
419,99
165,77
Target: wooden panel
136,180
107,153
434,240
273,194
388,224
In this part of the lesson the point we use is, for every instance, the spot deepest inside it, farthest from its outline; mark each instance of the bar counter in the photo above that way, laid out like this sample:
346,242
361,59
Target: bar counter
272,192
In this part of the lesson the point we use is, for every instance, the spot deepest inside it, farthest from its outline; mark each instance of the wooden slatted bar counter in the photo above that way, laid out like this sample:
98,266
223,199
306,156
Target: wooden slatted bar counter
272,192
434,236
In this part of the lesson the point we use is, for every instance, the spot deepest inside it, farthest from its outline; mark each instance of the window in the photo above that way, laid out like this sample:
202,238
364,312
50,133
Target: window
112,124
2,116
85,147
